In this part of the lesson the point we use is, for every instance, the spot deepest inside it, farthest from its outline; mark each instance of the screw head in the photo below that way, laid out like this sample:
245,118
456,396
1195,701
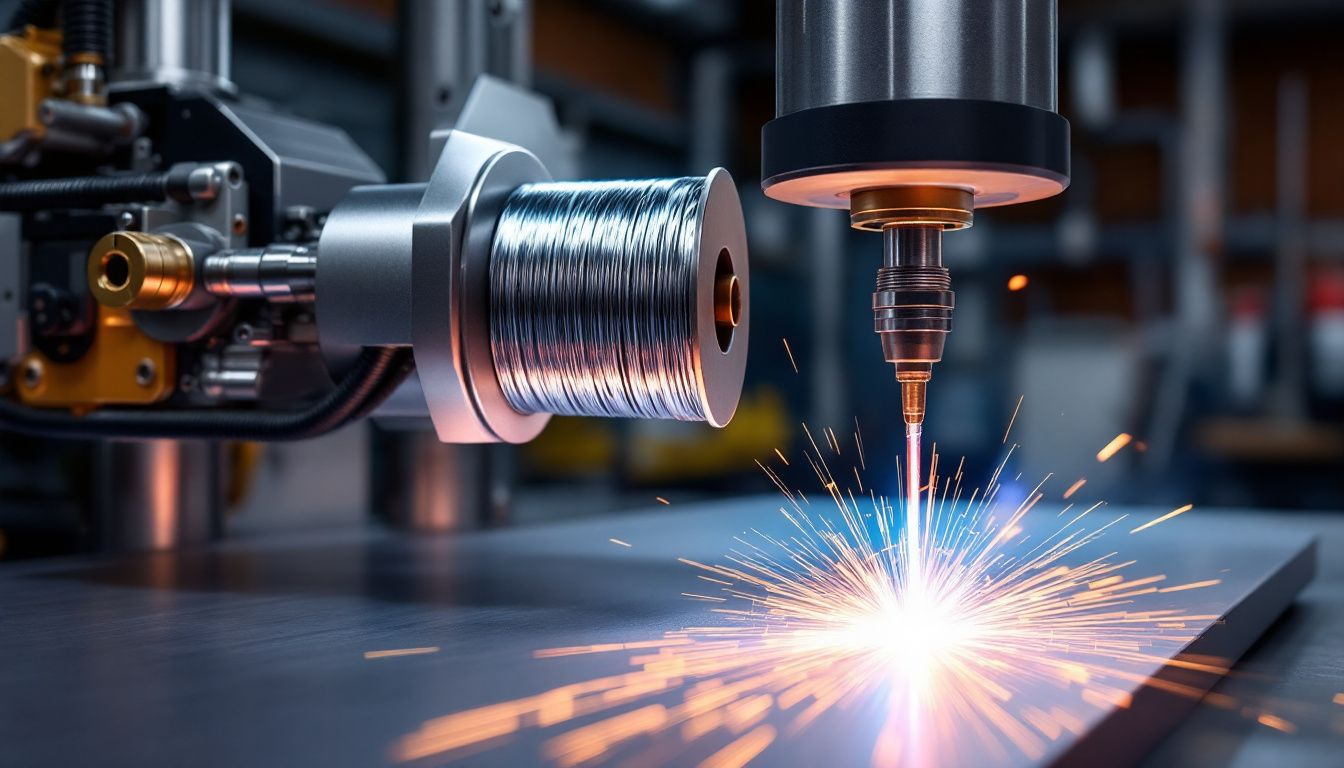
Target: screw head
32,373
239,224
145,372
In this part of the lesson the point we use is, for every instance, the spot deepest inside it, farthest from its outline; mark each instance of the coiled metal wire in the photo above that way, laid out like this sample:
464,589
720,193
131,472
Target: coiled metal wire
593,291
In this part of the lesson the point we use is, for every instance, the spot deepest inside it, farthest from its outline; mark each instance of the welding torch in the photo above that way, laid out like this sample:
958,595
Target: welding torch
913,116
913,300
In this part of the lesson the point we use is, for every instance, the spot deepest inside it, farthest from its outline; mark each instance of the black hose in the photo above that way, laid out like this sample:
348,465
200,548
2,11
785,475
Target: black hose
376,374
86,27
89,191
395,378
39,13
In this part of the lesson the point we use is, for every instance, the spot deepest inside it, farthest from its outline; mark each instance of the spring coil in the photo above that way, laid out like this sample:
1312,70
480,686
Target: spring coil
593,289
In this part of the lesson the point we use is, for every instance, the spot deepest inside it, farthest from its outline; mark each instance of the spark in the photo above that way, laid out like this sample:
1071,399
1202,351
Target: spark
619,543
742,751
400,652
1017,282
1339,699
1277,723
1192,585
661,500
1113,447
953,613
858,443
1164,518
1013,419
1079,483
780,454
787,349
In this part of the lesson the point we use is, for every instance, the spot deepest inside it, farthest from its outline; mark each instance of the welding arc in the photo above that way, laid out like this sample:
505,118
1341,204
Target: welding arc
593,298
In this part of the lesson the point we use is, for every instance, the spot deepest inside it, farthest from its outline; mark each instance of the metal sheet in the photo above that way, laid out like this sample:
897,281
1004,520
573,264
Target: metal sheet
251,652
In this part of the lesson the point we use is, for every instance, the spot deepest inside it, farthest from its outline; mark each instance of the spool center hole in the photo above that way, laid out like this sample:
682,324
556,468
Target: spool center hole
727,300
116,270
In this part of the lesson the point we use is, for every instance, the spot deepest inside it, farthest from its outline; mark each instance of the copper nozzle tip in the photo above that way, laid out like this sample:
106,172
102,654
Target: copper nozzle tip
913,392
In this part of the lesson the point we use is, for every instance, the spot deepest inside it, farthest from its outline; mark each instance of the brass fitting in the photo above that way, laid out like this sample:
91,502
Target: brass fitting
28,74
84,79
878,208
139,270
727,301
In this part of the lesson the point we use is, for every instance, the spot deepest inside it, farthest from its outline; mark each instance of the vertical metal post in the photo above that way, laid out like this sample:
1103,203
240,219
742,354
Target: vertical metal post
448,44
826,275
157,494
174,42
711,110
1199,220
1290,265
426,486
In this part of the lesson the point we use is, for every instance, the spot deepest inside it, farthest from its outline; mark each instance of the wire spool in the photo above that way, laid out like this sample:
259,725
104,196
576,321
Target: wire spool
621,298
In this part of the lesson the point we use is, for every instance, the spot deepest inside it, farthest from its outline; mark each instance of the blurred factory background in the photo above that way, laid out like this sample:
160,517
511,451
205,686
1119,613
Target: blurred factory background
1187,289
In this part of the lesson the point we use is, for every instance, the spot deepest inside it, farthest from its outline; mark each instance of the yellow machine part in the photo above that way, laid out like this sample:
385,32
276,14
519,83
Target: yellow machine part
124,366
29,71
665,452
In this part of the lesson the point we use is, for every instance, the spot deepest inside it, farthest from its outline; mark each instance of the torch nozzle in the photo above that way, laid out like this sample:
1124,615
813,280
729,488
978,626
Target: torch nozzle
914,390
912,310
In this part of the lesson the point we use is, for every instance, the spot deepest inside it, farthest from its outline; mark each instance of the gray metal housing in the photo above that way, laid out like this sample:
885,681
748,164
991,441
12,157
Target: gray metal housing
173,42
845,51
405,265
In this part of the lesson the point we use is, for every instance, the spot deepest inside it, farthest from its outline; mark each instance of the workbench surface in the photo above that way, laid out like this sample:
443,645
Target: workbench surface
252,651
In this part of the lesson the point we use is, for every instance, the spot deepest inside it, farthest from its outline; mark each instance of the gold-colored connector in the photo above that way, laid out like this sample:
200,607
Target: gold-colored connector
878,208
139,270
727,301
28,74
122,367
84,78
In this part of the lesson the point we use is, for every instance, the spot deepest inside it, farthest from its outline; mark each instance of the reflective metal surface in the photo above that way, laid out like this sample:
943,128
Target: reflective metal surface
157,494
449,299
278,273
411,265
451,45
427,486
622,298
366,262
252,652
178,42
842,51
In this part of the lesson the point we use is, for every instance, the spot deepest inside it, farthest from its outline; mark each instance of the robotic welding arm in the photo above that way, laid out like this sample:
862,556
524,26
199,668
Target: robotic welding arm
912,114
191,266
